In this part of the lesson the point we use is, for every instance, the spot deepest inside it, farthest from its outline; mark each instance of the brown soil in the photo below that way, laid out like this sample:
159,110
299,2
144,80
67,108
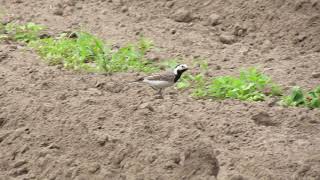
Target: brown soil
57,124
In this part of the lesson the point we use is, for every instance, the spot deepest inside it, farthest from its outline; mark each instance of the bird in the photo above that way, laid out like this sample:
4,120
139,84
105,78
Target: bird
166,79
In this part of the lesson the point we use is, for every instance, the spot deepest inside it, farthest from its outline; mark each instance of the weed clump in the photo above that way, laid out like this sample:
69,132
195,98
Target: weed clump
299,98
250,85
82,51
91,54
22,33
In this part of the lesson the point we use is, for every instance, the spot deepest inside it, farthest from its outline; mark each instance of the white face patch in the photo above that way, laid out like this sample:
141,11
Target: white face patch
180,67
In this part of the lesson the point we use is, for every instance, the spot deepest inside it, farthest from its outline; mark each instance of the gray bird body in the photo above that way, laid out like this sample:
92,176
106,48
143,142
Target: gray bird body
160,81
163,80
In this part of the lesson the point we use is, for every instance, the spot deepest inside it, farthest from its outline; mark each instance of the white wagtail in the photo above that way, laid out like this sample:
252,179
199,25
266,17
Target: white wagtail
163,80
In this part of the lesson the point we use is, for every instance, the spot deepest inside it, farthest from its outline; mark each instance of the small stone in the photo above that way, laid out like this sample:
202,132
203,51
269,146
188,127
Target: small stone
314,121
79,7
24,149
72,2
105,12
264,119
238,177
58,12
154,57
315,74
272,102
137,33
182,15
45,35
4,135
94,92
13,47
18,1
218,67
94,168
170,4
61,97
2,121
239,30
20,172
173,31
151,158
20,163
214,19
124,9
54,146
113,87
100,84
227,39
146,106
103,139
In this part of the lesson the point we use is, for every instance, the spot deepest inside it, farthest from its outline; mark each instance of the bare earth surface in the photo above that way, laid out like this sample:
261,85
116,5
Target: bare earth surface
57,124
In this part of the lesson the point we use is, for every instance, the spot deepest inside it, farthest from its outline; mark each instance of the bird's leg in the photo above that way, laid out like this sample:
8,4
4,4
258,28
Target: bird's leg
160,94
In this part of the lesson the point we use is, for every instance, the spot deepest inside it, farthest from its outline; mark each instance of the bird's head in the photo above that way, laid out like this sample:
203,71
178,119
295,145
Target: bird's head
179,69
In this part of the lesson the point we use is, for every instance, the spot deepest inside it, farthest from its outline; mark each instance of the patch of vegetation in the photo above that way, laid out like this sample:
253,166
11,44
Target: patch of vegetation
250,85
81,51
299,98
90,53
22,33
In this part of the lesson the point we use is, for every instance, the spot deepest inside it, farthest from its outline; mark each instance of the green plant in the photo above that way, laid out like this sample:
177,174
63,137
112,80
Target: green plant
87,52
250,85
23,33
298,97
131,57
81,52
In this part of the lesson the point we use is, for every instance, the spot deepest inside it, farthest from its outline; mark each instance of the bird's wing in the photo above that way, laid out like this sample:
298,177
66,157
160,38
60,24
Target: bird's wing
167,76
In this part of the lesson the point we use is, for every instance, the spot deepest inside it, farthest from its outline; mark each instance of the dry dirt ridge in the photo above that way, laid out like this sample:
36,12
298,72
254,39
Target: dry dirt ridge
57,124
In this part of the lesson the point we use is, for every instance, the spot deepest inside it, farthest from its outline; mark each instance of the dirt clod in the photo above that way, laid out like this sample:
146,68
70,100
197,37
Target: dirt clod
103,139
58,11
94,168
214,19
227,39
263,118
146,106
20,163
124,9
20,172
183,15
315,74
238,177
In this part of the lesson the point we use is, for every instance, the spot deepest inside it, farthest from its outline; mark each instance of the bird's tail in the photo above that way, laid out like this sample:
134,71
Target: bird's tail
136,81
